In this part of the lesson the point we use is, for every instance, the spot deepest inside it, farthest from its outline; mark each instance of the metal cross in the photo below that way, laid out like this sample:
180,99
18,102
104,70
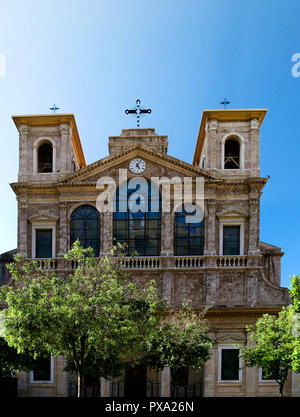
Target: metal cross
138,111
54,108
225,102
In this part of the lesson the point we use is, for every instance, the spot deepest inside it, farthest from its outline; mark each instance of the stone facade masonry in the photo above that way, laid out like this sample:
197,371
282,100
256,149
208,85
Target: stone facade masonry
239,289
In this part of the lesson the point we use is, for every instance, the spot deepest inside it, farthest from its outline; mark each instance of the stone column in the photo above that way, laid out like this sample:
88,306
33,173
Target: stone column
105,387
165,382
167,234
63,232
107,233
213,152
250,375
212,287
64,129
61,377
23,157
210,373
253,248
210,236
22,228
254,143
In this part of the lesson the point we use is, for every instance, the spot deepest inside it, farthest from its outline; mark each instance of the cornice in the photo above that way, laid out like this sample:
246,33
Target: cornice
122,156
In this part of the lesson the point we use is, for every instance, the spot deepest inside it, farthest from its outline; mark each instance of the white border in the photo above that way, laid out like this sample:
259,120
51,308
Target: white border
232,222
38,226
228,381
51,381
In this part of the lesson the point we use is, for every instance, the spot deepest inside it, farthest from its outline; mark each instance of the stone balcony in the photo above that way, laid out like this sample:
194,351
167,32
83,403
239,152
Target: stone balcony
166,263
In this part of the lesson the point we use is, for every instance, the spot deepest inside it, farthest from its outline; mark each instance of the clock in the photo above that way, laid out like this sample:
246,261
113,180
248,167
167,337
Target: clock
137,165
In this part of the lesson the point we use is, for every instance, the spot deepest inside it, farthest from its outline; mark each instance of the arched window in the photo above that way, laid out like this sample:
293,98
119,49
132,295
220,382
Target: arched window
138,227
232,154
85,226
188,236
45,157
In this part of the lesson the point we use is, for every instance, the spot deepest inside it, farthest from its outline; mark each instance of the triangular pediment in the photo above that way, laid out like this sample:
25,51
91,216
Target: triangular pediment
43,218
92,171
230,339
232,213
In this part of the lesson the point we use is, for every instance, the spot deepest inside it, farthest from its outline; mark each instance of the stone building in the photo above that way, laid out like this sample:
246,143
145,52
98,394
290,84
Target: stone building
218,261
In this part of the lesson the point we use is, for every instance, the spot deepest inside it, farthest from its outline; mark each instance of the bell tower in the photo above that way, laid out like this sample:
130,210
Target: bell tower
228,142
49,147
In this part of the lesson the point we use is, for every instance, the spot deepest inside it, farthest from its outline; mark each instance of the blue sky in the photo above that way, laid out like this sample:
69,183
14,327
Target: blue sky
93,58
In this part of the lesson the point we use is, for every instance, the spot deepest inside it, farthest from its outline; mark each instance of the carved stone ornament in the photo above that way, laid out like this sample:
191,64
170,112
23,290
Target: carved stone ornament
212,124
64,128
23,129
254,124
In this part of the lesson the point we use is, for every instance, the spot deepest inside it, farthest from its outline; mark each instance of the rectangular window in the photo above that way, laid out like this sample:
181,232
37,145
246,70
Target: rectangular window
43,243
230,365
42,371
231,240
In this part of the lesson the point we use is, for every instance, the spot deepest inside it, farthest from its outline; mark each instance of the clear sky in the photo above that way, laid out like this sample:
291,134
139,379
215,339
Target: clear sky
94,58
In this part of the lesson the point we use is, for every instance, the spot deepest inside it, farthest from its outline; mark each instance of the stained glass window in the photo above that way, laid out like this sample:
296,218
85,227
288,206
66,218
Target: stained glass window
85,226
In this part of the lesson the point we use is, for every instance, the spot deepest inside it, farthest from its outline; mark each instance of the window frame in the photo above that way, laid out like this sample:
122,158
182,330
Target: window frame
240,371
43,226
232,222
98,230
189,238
51,381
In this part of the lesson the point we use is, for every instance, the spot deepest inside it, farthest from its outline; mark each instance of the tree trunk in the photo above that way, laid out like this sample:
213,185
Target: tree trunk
281,389
80,384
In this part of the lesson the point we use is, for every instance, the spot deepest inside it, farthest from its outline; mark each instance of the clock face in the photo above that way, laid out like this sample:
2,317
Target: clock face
137,166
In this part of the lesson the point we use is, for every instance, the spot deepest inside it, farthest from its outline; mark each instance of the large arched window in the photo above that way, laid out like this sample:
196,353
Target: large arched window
188,235
137,218
85,226
45,157
232,154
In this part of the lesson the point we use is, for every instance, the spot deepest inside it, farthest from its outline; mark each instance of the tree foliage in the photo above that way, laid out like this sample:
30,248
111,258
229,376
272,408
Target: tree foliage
295,293
274,346
181,340
95,311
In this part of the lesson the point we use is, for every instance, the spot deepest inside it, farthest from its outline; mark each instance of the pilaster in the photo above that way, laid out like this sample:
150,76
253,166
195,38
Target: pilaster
22,227
63,233
210,236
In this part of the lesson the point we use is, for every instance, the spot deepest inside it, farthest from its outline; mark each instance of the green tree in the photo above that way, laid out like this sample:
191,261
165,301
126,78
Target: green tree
94,312
295,293
11,361
181,340
274,346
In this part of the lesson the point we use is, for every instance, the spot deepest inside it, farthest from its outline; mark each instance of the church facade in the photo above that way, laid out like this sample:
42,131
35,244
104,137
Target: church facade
218,261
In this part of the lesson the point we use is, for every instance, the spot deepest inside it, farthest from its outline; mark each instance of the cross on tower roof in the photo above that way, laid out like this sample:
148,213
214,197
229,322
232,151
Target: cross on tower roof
54,108
225,102
138,111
